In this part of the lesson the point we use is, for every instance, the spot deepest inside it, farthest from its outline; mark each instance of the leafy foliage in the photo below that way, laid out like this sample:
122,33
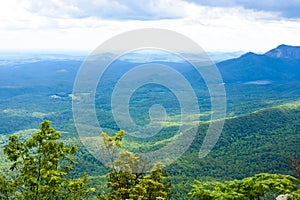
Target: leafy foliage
250,188
41,165
129,177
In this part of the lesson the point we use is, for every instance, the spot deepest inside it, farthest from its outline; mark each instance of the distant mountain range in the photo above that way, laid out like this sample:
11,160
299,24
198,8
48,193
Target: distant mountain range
281,64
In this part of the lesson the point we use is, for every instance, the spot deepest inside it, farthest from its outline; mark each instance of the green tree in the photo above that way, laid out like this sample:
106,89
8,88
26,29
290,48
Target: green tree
131,176
250,188
294,163
41,166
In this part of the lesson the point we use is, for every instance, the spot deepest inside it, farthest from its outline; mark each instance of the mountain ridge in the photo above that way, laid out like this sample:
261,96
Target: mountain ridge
285,51
281,64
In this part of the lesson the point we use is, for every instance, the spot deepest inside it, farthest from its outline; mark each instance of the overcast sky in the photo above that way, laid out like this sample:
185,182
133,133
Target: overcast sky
216,25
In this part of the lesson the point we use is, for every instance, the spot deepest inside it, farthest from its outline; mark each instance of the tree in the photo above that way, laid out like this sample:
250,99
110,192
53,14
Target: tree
41,166
294,163
250,188
131,176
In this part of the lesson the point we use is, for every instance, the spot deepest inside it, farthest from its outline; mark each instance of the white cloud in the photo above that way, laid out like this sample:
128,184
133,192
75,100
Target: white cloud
107,9
69,25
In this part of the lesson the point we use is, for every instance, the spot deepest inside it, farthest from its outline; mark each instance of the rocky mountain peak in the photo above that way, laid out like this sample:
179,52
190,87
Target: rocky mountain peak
285,51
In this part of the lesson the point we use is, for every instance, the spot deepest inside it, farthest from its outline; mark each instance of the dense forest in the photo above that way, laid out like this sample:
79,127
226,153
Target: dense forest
149,100
244,155
255,157
40,169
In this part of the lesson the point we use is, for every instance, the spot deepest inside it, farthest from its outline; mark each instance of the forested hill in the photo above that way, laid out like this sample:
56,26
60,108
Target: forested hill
281,64
250,144
258,142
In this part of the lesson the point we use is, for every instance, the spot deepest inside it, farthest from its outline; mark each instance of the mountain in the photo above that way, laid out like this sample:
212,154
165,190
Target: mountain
281,64
285,51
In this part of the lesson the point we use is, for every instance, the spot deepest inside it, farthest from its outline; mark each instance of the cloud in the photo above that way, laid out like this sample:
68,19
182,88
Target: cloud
150,9
286,9
78,25
108,9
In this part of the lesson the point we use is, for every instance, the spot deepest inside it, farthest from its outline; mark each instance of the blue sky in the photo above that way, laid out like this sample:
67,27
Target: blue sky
220,25
284,8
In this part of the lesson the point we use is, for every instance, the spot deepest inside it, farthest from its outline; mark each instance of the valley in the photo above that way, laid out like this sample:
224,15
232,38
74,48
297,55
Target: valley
261,128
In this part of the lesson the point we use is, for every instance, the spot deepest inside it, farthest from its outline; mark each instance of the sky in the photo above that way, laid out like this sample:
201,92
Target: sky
82,25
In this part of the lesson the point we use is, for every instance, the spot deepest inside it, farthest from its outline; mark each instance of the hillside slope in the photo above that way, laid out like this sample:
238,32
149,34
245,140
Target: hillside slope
281,64
249,144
